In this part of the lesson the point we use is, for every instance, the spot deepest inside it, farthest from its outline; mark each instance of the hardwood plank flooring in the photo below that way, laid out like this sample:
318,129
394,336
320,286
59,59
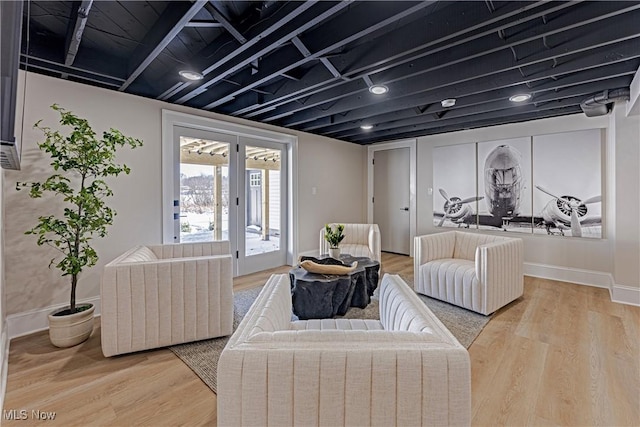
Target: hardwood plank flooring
562,355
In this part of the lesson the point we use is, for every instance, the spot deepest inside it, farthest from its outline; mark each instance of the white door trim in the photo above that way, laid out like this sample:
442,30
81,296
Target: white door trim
405,143
174,118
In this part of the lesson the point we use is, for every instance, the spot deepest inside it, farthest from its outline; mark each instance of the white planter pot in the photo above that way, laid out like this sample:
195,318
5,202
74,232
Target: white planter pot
334,253
72,329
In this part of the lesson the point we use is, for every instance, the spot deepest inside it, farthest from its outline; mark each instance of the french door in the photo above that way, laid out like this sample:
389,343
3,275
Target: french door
230,187
261,205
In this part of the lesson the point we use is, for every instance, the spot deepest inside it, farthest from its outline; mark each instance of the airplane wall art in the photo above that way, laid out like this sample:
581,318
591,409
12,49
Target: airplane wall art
506,199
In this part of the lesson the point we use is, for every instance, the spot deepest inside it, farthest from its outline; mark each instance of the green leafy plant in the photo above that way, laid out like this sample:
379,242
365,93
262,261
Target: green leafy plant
334,236
81,161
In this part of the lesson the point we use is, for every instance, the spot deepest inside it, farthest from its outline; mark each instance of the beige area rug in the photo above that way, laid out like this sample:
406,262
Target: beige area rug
202,356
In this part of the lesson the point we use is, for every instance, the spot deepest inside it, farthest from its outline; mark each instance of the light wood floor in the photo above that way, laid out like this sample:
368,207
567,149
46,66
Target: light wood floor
561,355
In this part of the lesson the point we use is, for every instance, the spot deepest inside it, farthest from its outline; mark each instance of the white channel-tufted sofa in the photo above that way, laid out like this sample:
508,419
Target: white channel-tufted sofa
360,240
405,369
479,272
156,296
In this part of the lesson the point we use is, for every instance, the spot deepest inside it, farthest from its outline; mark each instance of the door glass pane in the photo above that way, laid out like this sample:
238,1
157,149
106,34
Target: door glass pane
204,190
262,192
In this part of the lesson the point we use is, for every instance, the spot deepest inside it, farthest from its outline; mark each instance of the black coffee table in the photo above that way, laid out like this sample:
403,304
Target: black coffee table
320,296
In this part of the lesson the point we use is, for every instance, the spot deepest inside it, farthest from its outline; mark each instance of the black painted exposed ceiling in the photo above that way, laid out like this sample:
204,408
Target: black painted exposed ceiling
308,65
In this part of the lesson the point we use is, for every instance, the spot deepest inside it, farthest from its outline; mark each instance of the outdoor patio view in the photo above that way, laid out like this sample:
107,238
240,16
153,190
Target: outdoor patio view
204,195
198,204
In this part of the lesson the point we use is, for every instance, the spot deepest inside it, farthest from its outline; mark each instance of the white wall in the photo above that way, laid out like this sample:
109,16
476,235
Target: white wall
334,167
592,261
626,137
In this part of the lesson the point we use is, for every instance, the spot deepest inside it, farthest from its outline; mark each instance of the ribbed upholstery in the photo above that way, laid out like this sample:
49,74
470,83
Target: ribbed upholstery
343,324
479,272
340,372
360,240
140,253
161,302
185,250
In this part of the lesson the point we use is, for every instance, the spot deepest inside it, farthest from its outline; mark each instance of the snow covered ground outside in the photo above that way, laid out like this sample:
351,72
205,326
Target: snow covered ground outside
199,232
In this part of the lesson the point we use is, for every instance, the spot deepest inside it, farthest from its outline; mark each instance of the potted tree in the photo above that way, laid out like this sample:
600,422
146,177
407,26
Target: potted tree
334,237
80,162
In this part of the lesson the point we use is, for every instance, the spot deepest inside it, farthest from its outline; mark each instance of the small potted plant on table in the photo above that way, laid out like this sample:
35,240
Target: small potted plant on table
83,160
334,236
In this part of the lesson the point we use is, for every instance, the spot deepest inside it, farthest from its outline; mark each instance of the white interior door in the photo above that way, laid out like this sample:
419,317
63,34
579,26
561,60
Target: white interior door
391,199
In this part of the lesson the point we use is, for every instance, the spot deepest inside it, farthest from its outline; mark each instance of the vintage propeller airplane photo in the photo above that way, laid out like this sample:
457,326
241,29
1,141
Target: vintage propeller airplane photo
568,213
503,186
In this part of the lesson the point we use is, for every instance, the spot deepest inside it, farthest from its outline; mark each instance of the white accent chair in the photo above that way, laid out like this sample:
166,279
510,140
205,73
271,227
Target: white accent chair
479,272
405,369
360,240
163,295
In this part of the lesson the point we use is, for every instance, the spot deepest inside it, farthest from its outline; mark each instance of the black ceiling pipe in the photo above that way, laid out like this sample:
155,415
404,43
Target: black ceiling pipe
602,103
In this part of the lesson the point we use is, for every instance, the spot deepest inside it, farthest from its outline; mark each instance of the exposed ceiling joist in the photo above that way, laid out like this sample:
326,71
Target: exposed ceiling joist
210,6
401,82
171,22
338,35
306,53
204,24
77,22
402,48
221,61
449,68
583,82
471,105
407,40
506,85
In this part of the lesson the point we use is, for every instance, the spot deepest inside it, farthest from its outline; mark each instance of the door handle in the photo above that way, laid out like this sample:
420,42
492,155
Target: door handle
404,209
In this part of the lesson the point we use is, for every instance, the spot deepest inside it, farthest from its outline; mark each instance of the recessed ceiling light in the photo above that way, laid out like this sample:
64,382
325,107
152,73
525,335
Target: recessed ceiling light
378,89
450,102
190,75
366,127
521,97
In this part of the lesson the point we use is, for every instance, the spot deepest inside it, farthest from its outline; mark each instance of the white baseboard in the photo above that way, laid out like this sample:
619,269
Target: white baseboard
26,323
4,363
618,293
625,295
573,275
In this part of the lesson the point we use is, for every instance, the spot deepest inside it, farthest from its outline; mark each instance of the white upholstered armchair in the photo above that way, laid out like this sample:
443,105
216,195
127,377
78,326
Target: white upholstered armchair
360,240
156,296
476,271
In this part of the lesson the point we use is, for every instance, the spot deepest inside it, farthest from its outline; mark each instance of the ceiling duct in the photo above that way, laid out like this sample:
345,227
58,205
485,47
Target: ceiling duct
11,23
601,104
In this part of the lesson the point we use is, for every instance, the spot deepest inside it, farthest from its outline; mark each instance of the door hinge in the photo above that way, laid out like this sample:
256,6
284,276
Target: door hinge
373,161
237,148
373,200
237,201
237,254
